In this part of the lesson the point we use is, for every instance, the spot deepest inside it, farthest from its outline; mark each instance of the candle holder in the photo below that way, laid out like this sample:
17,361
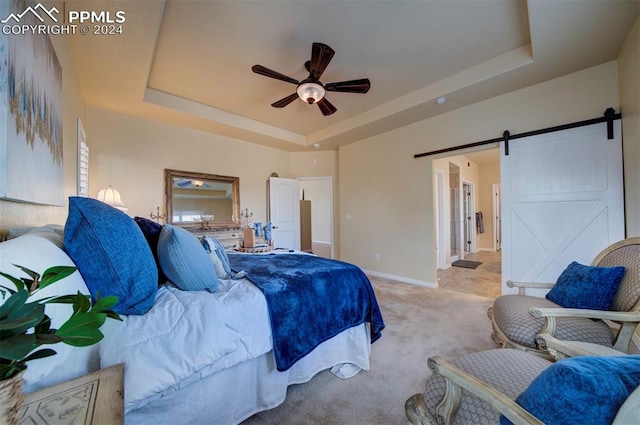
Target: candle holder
245,218
157,216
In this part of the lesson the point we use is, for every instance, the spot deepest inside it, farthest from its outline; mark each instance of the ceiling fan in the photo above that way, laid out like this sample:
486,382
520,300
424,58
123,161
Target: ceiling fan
311,90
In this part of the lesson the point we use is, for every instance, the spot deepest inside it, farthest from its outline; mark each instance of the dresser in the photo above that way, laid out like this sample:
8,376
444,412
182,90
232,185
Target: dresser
230,238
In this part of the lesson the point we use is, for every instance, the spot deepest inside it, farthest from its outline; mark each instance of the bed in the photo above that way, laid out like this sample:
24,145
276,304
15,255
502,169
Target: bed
211,357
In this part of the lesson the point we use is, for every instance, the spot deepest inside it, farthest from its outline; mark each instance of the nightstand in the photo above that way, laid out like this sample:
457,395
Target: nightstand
94,399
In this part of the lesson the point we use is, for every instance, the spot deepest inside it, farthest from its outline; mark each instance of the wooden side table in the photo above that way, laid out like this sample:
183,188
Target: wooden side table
94,399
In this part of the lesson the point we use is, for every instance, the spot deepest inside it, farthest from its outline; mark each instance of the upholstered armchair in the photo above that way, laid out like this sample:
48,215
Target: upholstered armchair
526,389
518,319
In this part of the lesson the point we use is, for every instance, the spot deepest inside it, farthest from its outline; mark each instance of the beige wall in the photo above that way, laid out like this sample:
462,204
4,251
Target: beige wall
21,214
131,153
629,76
388,194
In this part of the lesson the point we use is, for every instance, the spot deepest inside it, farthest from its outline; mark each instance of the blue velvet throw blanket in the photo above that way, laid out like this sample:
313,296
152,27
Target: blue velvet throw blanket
310,300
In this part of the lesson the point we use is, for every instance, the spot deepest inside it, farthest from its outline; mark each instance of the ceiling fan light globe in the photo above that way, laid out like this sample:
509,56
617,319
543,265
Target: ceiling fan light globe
310,92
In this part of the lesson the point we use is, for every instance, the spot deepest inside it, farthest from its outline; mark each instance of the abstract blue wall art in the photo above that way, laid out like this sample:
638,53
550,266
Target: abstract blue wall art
31,160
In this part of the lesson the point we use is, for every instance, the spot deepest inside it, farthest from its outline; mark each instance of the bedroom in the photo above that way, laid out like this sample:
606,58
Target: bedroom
130,149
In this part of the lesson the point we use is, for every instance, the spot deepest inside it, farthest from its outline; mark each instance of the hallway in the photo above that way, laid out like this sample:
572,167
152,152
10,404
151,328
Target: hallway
485,280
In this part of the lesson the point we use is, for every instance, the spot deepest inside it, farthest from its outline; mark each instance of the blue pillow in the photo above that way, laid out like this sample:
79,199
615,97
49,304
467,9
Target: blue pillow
111,254
151,231
581,390
184,260
218,250
587,287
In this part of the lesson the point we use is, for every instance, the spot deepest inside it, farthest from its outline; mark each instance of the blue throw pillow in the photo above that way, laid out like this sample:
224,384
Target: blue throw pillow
111,254
184,260
587,287
581,390
151,231
214,247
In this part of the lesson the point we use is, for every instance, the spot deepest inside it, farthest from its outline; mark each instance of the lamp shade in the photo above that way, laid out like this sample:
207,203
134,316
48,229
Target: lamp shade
110,196
310,92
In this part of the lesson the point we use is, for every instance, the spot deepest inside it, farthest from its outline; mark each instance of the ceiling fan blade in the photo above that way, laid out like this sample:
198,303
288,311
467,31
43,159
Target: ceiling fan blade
352,86
326,107
285,101
259,69
321,55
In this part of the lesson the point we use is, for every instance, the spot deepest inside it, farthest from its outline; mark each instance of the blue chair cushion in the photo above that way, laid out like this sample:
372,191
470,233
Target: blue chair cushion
111,254
581,390
151,231
590,287
184,260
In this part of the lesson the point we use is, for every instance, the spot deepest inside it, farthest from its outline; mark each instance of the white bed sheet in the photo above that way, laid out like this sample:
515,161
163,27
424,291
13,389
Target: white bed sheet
232,395
185,337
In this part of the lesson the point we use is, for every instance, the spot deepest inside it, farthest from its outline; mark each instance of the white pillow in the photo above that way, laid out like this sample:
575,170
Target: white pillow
214,254
38,251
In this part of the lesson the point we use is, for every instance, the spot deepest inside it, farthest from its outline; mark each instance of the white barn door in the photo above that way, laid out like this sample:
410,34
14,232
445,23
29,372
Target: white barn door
284,212
562,200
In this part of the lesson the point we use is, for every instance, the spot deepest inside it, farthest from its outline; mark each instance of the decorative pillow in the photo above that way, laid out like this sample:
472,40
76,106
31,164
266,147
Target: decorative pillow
587,287
111,254
184,260
38,250
581,390
151,231
218,257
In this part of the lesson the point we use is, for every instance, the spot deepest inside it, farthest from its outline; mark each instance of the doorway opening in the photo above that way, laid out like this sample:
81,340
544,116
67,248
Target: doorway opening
464,220
319,191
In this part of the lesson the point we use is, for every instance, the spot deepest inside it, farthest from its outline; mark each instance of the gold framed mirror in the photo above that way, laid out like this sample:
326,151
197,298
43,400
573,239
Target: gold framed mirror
201,201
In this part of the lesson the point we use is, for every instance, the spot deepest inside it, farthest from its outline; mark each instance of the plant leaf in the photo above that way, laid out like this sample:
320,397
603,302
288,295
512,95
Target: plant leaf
83,337
81,304
80,330
48,339
17,346
105,303
15,302
54,274
10,370
33,275
44,327
19,283
40,354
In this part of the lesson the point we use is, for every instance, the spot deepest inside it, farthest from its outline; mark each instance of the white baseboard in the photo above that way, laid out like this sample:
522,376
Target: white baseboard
486,249
401,279
321,242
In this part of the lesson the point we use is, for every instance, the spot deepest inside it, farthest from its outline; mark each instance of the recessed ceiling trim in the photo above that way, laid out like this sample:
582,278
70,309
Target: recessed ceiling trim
499,65
211,113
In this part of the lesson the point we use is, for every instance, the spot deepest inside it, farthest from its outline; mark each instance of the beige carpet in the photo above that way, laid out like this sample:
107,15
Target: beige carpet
420,322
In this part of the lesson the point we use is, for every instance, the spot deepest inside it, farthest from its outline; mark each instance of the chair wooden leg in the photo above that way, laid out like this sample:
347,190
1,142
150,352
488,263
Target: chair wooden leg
417,412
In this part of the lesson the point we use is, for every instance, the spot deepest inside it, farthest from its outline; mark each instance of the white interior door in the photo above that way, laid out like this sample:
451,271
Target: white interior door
562,200
284,212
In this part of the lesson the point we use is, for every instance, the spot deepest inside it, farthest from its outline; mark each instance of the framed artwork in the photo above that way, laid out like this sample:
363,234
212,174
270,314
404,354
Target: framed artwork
83,161
31,116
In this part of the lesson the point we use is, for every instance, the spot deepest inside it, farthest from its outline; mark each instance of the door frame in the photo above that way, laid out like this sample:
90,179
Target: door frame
439,218
472,222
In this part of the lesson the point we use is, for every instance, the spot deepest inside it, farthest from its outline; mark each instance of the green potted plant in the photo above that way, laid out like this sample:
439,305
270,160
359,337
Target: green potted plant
25,327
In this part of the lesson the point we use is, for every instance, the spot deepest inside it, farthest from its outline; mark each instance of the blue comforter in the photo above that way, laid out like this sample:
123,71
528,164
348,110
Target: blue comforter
310,300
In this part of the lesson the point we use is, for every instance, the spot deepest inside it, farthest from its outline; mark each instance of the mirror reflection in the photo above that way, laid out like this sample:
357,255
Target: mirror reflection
199,200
